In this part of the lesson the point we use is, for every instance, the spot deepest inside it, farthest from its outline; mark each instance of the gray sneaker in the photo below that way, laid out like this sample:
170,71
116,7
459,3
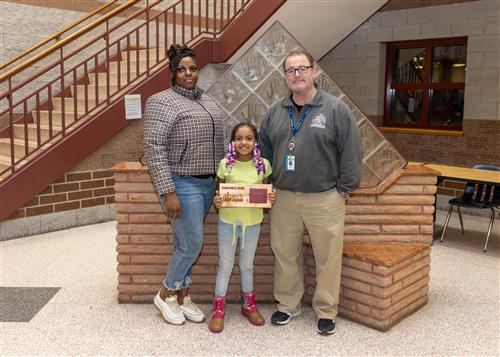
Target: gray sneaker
170,309
191,311
282,318
326,326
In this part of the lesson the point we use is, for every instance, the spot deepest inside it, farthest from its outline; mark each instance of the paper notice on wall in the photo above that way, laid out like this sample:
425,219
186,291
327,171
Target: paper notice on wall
411,105
133,108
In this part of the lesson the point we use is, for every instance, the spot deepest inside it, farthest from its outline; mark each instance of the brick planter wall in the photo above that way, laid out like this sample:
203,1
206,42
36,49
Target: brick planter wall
381,283
400,210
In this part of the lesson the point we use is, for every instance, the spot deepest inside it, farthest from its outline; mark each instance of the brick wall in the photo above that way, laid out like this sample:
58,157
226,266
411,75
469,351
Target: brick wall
478,145
398,211
72,191
451,188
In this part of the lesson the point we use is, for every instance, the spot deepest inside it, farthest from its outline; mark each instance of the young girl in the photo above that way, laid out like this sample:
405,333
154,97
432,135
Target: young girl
243,164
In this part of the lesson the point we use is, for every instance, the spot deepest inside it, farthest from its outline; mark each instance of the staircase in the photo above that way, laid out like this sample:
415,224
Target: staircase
53,127
65,113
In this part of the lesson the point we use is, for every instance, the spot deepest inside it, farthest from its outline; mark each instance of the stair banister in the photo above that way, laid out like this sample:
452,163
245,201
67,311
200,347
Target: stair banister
65,41
58,34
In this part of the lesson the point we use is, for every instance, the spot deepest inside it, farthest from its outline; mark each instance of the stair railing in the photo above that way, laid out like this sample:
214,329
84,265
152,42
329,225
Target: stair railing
132,47
410,73
57,36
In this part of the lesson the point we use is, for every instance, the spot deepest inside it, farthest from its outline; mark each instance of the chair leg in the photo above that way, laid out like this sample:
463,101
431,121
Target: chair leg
492,219
461,220
446,222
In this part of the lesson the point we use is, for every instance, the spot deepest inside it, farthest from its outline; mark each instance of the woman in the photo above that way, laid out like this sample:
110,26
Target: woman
183,144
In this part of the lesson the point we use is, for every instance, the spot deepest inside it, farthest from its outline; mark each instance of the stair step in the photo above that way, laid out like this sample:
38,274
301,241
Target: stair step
134,61
33,132
19,150
91,88
69,117
4,162
141,55
113,78
113,67
69,104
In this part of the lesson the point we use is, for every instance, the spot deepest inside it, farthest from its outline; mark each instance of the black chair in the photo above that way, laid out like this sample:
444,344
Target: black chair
476,195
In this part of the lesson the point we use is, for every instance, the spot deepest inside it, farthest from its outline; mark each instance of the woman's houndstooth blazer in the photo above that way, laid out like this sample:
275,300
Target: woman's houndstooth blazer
182,135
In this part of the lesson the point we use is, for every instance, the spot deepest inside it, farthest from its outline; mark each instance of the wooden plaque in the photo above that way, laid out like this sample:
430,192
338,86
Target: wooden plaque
245,195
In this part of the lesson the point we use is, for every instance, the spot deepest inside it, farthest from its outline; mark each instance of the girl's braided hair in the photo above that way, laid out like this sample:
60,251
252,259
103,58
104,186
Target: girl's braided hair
175,54
257,159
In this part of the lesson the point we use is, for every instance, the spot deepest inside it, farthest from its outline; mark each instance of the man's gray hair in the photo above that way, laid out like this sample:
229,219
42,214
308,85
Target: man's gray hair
298,51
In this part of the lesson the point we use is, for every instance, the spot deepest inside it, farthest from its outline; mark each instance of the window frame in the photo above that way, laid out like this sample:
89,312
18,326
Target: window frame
427,86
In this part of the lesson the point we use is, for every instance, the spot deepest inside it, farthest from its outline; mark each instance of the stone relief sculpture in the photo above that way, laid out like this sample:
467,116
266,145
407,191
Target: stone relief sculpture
251,110
273,88
253,68
252,84
275,43
230,92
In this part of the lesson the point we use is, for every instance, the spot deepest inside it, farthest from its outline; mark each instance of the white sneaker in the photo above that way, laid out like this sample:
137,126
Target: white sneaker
191,311
170,309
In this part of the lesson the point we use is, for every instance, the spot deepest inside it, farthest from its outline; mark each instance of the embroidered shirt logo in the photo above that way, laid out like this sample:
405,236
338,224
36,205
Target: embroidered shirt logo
319,121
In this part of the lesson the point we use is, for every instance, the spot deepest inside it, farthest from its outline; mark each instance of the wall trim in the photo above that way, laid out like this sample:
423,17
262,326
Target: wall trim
28,226
390,129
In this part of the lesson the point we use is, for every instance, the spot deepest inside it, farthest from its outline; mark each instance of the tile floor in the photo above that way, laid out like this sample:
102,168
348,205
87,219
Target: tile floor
84,318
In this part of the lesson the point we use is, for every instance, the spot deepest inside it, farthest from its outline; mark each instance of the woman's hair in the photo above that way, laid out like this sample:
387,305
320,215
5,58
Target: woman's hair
257,158
175,54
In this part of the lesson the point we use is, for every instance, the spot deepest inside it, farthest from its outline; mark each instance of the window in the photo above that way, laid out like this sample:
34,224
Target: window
425,82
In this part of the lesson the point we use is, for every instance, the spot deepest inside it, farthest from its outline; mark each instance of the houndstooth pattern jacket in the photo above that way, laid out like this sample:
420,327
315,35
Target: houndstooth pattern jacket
182,135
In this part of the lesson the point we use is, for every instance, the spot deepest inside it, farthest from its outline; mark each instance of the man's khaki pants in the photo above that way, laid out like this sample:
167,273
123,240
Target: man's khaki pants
323,216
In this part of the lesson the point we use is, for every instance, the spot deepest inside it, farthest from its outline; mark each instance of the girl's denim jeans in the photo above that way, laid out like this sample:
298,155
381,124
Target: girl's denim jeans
227,251
195,196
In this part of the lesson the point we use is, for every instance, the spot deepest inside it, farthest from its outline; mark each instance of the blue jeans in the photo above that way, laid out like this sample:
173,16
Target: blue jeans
227,251
195,196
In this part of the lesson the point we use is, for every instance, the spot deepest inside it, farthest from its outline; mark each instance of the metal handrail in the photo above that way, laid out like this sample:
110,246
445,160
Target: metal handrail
58,34
127,45
70,38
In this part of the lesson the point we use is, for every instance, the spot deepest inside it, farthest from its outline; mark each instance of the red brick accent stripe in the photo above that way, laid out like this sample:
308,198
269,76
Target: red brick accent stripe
72,191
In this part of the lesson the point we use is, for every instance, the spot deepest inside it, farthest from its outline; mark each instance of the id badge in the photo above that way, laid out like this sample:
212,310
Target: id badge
290,163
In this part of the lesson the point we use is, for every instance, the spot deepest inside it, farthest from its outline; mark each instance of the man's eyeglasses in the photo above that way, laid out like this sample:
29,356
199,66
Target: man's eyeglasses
182,69
301,69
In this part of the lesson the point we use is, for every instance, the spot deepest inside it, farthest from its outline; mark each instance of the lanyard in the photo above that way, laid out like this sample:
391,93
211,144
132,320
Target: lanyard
301,120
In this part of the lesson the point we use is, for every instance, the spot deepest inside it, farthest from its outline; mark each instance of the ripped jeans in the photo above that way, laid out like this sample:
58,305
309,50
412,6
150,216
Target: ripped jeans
195,196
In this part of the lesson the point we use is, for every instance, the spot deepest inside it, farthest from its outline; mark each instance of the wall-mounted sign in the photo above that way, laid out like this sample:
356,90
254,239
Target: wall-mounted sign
133,108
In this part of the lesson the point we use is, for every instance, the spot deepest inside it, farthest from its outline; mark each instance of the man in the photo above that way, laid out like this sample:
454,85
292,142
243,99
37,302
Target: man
315,149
